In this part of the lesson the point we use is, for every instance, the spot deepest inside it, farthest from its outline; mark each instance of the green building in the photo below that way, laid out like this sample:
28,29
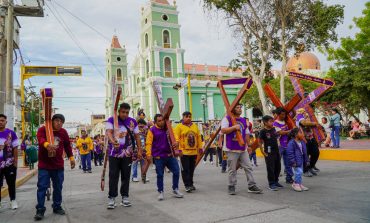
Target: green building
161,58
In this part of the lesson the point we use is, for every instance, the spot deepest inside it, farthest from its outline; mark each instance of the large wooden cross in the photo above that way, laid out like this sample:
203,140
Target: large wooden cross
305,103
47,105
116,96
289,107
247,84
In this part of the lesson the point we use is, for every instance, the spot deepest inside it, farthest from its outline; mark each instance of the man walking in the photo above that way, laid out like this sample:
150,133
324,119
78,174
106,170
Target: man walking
122,143
237,154
51,165
8,159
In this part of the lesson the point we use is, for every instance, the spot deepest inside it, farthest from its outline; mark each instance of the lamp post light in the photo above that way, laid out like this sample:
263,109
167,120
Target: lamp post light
203,101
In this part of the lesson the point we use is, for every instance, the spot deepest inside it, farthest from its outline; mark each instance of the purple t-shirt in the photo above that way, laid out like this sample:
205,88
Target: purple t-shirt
282,126
97,147
8,142
125,141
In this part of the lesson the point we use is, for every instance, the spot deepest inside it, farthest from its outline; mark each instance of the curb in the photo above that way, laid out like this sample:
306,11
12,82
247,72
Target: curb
359,155
19,182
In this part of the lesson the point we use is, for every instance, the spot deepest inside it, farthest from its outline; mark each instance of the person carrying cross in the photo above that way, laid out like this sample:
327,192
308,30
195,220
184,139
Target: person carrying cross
237,153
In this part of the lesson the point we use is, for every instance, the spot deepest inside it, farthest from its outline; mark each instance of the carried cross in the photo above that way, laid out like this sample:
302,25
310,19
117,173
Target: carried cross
289,107
247,84
116,96
47,104
306,101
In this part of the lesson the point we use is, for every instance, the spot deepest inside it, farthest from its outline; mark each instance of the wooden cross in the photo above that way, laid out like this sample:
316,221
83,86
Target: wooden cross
116,96
247,84
47,104
305,103
289,107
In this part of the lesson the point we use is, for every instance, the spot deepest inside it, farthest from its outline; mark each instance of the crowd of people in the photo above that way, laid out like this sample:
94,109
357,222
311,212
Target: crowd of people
139,142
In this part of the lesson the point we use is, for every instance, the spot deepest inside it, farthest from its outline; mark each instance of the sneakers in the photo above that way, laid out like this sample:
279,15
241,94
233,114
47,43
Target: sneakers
254,189
39,215
223,171
313,172
304,188
272,187
89,171
161,196
317,170
85,171
297,187
231,190
111,203
308,174
59,211
13,205
125,202
134,179
211,162
193,188
278,185
177,193
204,162
188,189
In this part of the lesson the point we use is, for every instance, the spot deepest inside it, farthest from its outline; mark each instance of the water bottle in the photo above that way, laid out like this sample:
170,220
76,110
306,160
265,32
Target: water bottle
268,149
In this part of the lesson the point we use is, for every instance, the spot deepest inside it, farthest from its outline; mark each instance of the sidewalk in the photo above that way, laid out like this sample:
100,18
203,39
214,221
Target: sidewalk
23,175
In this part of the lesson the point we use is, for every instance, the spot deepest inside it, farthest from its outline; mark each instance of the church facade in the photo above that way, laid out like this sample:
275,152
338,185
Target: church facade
161,59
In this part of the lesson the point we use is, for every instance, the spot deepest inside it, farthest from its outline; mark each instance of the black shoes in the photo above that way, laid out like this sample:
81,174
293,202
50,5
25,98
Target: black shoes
254,189
231,190
59,211
39,215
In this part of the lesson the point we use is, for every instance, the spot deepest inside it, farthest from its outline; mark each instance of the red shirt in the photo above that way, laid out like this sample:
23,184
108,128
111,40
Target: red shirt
62,139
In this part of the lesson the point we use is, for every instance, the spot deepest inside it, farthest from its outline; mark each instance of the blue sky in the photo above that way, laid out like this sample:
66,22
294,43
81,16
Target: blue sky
45,42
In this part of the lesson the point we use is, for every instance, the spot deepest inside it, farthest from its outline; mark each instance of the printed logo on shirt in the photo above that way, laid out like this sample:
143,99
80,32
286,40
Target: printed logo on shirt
190,139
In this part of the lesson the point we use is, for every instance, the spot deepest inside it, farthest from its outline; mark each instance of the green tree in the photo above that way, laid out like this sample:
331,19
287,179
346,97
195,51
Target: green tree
351,72
269,29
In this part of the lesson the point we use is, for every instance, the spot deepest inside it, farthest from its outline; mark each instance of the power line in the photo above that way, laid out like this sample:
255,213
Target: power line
88,25
72,36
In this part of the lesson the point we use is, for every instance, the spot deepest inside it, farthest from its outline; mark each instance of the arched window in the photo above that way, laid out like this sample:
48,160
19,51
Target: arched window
138,80
119,74
167,67
146,40
166,39
147,66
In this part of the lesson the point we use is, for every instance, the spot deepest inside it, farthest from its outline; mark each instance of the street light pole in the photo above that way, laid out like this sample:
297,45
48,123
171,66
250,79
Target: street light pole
203,102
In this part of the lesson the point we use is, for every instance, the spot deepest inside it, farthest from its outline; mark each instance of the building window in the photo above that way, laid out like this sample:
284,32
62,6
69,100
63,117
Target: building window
167,67
166,39
146,20
119,74
118,58
138,80
165,17
146,40
147,66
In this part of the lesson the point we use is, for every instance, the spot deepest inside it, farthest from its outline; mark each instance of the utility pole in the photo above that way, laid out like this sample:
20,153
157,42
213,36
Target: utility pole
9,63
3,12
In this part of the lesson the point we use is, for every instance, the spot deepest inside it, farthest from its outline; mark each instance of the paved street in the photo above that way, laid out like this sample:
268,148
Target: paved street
339,194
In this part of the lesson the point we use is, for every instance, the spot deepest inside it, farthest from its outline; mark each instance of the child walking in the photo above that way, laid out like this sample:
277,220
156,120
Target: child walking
297,155
269,138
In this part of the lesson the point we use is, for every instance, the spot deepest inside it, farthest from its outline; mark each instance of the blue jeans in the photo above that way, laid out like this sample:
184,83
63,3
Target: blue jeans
287,167
86,162
335,136
253,157
134,167
43,183
172,164
298,171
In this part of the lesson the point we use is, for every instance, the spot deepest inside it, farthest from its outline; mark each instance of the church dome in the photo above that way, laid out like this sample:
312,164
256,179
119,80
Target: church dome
303,61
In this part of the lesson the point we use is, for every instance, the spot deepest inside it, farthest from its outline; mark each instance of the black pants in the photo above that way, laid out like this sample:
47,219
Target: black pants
10,174
210,152
98,159
117,166
313,153
273,166
188,167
